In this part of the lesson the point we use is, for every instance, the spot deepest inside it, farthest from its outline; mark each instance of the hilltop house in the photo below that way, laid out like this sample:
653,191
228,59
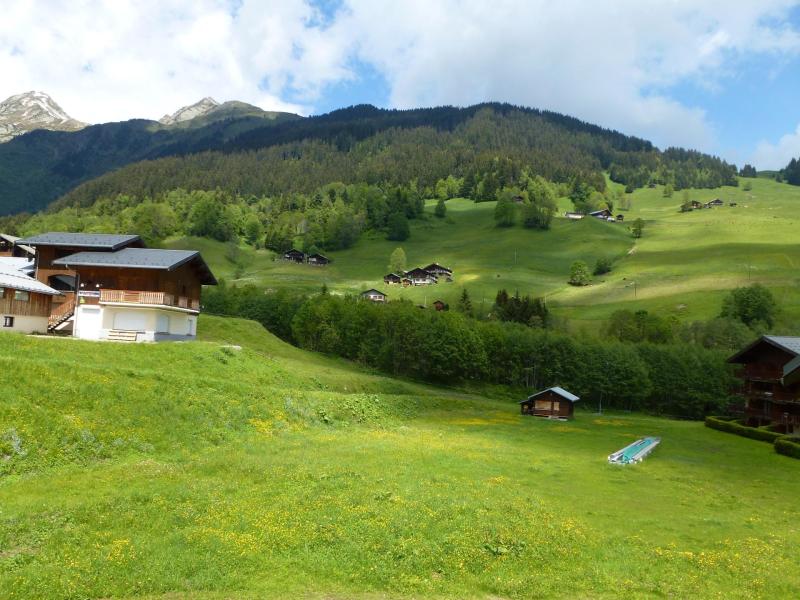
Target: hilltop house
420,276
25,303
770,374
374,295
114,288
439,271
553,403
392,279
318,260
294,256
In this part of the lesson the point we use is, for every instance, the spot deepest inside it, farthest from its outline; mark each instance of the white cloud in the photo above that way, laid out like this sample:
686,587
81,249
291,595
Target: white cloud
612,63
776,156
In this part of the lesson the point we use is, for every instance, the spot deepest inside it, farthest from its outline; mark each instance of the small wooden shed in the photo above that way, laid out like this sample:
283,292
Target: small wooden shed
553,403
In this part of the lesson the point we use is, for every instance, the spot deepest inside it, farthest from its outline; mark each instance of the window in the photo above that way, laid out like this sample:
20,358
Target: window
8,321
22,295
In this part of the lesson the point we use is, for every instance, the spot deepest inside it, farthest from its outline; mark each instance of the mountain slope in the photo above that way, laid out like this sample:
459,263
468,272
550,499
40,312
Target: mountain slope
33,110
190,112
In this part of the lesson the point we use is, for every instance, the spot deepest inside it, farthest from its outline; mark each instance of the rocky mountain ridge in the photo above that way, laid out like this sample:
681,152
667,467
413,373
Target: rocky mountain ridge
33,110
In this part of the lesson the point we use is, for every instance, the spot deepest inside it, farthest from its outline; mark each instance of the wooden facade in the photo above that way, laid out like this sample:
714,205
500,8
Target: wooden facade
35,304
770,374
553,403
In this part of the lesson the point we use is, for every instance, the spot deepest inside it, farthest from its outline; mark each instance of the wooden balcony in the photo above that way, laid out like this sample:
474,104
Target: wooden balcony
760,373
148,298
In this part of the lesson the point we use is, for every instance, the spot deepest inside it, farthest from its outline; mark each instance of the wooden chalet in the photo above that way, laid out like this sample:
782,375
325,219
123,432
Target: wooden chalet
419,276
717,202
553,403
392,279
438,270
697,204
602,214
25,303
373,295
318,260
10,247
770,373
294,256
114,288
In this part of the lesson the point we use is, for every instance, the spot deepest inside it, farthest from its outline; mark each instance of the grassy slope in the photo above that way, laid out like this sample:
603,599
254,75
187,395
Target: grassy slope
683,265
211,472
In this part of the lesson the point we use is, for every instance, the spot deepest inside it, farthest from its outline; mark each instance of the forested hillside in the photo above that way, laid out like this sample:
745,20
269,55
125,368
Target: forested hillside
488,145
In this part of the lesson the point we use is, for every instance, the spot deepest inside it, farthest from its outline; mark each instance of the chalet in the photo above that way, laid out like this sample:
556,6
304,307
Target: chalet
439,306
717,202
9,247
696,204
318,260
405,282
574,216
602,214
420,276
374,295
25,303
553,403
620,218
438,270
294,256
392,279
770,373
114,288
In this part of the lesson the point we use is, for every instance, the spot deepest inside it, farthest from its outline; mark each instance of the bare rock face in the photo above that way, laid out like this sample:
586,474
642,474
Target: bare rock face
33,110
198,109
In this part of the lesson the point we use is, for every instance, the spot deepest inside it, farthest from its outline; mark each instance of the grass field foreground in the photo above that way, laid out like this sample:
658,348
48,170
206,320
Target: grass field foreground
207,471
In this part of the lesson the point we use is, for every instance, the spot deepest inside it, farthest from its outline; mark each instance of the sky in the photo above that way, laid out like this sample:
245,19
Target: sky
721,76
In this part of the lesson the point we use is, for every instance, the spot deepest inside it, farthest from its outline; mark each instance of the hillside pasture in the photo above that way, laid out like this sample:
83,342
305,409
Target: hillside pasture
207,471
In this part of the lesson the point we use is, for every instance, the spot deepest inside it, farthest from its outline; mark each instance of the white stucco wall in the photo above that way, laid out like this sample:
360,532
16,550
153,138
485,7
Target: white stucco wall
147,321
25,324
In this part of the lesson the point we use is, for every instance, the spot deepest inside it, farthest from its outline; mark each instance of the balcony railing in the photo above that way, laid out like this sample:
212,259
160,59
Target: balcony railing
760,373
152,298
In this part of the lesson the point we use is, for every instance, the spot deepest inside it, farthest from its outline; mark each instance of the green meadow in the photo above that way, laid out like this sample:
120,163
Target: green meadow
206,470
682,266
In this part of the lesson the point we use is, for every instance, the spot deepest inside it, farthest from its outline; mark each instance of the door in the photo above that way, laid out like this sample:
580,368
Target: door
89,322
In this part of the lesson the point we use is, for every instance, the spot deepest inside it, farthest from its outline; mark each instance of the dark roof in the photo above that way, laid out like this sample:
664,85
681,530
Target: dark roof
294,251
418,270
556,390
372,291
105,241
785,343
140,258
437,266
318,255
393,275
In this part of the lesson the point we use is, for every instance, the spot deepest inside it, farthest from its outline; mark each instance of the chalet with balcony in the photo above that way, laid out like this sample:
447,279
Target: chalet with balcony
553,403
770,373
420,276
25,303
439,271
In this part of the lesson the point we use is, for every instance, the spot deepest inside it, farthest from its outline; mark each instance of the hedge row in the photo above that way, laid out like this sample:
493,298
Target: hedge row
753,433
787,447
784,444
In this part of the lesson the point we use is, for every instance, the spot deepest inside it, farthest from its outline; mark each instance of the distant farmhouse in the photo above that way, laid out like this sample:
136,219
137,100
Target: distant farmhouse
373,295
315,260
106,287
294,256
318,260
420,276
553,403
392,279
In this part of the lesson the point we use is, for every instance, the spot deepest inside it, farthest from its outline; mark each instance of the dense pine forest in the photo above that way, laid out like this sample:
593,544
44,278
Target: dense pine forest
489,146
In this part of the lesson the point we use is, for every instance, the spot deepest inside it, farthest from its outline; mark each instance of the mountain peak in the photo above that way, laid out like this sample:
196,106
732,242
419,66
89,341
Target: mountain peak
33,110
187,113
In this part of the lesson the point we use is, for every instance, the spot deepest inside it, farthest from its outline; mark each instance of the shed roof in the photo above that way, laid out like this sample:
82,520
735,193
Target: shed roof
556,390
104,241
17,280
140,258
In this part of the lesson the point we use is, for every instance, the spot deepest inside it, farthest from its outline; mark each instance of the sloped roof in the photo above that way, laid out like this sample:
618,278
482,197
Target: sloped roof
372,291
17,280
556,390
785,343
17,263
140,258
105,241
14,241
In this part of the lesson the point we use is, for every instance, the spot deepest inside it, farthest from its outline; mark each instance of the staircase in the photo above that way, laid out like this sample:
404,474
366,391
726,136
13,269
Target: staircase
60,315
122,335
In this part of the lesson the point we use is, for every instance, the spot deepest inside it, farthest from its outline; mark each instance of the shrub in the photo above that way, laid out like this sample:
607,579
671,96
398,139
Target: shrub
788,446
753,433
602,266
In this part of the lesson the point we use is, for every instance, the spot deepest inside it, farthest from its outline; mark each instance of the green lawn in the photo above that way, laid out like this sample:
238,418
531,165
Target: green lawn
203,471
683,265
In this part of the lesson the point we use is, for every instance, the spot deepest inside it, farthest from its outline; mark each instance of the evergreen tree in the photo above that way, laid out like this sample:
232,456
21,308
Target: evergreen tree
464,302
441,209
